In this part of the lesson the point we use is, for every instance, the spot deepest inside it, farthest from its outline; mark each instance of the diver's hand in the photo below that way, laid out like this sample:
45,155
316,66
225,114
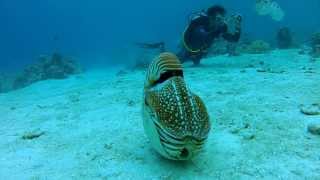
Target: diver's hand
238,19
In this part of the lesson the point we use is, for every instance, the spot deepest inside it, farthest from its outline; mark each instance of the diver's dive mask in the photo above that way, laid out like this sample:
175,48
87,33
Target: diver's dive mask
217,22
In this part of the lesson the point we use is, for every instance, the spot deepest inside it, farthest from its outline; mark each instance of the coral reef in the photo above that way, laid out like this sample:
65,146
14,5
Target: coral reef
304,49
269,7
315,44
221,46
6,81
218,47
255,47
245,45
284,38
48,67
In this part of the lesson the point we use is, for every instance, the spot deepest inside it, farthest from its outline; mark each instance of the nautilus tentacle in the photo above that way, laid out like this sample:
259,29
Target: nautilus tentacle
175,119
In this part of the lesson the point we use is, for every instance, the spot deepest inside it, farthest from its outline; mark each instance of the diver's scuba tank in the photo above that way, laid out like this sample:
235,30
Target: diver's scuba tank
192,16
196,14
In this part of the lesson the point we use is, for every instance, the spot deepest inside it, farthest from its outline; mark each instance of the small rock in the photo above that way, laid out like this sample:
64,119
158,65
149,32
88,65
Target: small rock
314,128
94,157
41,107
235,131
311,110
277,71
261,70
302,52
313,59
108,146
74,98
309,72
131,103
32,135
246,125
122,72
250,66
248,136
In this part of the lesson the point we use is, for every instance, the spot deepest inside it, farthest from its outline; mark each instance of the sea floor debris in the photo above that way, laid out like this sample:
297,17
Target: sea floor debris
32,135
90,127
310,109
314,128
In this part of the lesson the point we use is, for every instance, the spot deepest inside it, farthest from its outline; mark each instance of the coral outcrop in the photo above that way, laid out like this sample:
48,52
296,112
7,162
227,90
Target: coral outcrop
221,46
315,44
255,47
6,81
284,38
218,47
48,67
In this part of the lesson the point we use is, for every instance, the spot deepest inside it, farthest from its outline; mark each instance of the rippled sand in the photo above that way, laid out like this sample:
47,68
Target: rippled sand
90,127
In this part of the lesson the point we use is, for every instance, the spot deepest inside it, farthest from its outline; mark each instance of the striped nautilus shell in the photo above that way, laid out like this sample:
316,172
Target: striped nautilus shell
175,120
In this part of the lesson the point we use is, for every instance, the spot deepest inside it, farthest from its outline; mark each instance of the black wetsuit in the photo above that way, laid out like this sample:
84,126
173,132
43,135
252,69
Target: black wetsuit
198,37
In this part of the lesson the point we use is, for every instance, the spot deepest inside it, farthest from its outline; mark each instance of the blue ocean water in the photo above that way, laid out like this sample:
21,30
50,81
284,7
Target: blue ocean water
250,110
97,31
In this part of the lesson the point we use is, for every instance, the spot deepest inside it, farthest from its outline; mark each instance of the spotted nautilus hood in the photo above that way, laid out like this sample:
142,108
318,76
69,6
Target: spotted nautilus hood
175,119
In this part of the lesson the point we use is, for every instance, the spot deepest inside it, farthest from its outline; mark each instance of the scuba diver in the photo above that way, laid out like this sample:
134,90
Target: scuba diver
203,29
200,33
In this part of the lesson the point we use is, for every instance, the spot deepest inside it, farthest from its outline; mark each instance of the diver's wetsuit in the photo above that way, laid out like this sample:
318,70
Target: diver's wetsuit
198,37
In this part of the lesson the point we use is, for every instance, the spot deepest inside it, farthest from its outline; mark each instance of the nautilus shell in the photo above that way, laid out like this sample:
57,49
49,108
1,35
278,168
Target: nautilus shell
175,119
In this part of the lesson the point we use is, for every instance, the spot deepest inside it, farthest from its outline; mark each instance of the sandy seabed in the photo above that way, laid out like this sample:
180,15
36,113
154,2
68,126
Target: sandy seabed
90,126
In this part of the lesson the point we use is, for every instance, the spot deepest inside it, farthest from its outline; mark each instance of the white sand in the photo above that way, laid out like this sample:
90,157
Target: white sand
93,128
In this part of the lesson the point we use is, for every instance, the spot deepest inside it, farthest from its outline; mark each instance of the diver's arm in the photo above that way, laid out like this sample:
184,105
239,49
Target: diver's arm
235,36
232,37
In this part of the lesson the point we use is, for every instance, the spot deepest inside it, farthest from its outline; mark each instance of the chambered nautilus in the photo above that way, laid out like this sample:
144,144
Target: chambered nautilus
175,120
